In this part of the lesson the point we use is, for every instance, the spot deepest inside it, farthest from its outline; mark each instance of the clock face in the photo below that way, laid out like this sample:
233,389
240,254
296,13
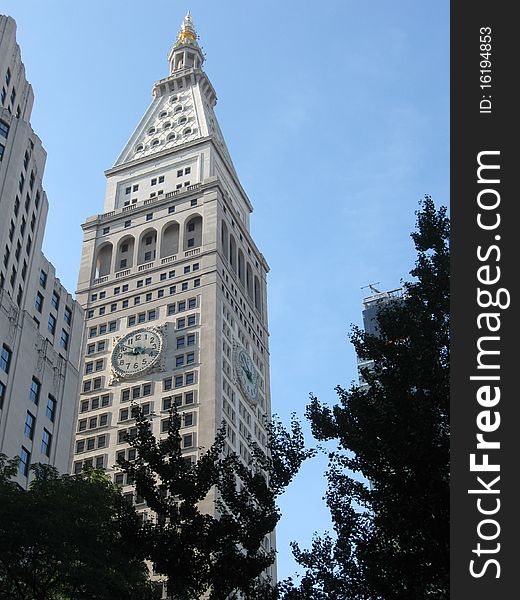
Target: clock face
137,352
247,374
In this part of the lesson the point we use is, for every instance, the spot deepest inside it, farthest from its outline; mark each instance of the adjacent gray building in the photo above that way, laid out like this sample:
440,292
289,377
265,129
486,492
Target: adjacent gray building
40,323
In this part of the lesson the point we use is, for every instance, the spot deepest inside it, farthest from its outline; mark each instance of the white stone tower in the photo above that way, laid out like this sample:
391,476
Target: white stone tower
173,285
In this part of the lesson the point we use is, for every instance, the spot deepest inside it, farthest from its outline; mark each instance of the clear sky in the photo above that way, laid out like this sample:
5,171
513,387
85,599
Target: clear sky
336,115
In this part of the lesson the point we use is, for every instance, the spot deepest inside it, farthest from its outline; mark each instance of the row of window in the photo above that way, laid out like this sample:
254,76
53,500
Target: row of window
93,422
92,443
95,403
29,428
97,462
143,282
148,297
125,435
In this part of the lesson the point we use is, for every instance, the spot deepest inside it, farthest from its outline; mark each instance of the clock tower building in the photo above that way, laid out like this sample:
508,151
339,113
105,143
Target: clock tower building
173,285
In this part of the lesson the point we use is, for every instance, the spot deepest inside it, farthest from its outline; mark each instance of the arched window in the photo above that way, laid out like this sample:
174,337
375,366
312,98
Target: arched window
170,239
258,295
193,233
125,253
147,246
104,260
249,281
233,253
241,269
224,240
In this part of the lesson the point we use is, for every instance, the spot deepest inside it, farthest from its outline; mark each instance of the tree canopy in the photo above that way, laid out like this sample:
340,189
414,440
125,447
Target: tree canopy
68,537
388,480
220,551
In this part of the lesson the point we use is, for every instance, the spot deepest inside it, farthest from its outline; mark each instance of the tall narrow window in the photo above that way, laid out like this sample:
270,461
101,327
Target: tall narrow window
46,443
5,358
34,391
50,410
25,461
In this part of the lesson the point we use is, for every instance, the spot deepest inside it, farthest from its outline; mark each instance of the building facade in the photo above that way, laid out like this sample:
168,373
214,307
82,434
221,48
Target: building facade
40,323
173,285
371,306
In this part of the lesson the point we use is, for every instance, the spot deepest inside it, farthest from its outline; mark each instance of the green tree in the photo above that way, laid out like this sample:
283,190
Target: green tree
391,525
200,552
68,538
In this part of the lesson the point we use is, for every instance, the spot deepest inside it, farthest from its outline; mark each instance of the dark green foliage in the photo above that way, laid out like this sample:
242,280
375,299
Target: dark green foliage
392,536
198,551
68,538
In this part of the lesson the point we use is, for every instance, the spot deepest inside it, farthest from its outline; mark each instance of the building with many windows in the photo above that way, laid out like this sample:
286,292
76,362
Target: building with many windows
371,306
173,286
40,323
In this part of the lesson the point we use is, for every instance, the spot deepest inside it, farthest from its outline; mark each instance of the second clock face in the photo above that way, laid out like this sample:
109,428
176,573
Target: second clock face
247,375
136,352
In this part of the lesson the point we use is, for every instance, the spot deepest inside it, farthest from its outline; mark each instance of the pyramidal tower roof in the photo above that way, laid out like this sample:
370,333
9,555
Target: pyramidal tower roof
181,111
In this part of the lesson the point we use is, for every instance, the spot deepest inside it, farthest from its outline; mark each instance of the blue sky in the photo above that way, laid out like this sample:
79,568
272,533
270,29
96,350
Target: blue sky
337,118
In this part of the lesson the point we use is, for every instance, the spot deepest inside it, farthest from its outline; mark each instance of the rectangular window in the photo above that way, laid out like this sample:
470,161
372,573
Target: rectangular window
192,303
173,289
50,409
184,286
167,384
92,332
131,321
51,324
82,425
64,340
80,446
113,307
55,300
125,395
136,393
191,339
179,361
141,317
34,391
148,297
25,462
38,303
180,342
139,283
181,306
188,398
102,329
84,406
181,323
46,443
5,358
190,358
137,300
105,400
29,426
178,381
171,309
192,320
2,394
188,419
112,326
89,367
99,365
190,378
4,129
187,441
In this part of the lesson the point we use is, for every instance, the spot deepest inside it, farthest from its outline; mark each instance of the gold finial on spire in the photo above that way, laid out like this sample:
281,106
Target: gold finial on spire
187,33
